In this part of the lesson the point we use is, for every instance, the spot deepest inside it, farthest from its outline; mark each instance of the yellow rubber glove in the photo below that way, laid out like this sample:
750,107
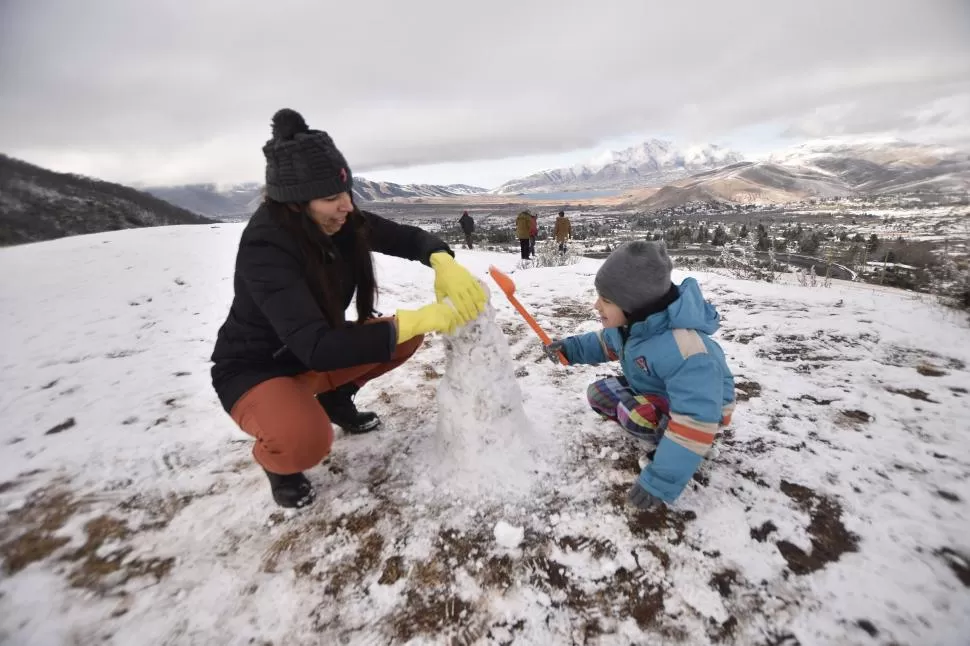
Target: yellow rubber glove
454,282
437,317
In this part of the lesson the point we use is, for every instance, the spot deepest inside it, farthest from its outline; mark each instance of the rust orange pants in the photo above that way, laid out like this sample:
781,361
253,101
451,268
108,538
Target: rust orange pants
292,431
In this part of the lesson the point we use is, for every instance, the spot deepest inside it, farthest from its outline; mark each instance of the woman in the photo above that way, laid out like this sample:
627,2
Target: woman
286,362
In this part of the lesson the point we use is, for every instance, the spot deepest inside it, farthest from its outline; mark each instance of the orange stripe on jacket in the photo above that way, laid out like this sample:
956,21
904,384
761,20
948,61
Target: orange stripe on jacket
690,433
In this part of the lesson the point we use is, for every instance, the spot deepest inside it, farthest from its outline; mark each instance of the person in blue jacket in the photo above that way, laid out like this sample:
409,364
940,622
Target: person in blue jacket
676,389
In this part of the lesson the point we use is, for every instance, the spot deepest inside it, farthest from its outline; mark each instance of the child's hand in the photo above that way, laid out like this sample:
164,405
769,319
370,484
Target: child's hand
553,350
643,499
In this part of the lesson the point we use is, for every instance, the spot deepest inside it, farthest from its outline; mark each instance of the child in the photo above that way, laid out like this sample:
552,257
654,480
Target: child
676,387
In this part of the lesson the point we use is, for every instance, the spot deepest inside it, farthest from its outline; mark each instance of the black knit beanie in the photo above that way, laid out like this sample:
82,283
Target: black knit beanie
303,164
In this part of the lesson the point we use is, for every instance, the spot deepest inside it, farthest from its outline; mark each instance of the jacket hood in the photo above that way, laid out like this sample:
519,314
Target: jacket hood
689,311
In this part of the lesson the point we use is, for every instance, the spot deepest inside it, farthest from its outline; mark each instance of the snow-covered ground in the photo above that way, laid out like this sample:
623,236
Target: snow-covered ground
837,512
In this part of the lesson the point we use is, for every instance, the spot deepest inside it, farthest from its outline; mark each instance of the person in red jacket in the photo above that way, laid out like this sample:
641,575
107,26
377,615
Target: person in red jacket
287,362
533,233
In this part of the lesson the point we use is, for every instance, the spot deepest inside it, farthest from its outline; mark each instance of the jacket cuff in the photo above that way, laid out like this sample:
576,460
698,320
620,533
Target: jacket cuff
391,337
437,249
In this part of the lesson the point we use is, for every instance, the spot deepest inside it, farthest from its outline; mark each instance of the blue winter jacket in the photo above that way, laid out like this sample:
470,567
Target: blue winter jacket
670,354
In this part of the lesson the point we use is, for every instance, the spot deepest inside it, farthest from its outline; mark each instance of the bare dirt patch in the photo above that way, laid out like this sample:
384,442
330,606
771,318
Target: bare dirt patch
60,428
745,390
830,539
913,393
959,563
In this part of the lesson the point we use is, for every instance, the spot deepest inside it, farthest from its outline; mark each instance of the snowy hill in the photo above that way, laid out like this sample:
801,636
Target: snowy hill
40,204
237,202
748,183
652,163
131,512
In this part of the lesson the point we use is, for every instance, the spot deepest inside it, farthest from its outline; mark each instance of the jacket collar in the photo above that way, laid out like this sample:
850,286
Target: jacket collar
659,306
641,315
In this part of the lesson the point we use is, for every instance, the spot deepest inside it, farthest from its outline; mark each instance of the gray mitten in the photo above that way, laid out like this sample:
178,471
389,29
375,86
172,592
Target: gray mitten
553,349
643,499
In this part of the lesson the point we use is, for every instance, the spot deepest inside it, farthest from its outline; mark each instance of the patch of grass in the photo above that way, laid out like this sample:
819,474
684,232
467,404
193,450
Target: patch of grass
32,529
853,417
929,370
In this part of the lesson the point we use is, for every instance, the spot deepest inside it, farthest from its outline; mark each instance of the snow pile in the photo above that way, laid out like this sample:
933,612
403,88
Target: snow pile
508,536
485,446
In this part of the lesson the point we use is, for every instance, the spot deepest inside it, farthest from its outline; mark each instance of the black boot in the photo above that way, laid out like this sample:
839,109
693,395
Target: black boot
339,404
291,490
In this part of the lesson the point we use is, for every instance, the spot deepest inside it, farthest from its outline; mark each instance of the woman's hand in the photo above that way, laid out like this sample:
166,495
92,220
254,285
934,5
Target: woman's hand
437,317
454,282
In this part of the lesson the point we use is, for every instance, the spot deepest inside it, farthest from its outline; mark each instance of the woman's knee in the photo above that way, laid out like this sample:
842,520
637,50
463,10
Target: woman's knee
295,445
405,350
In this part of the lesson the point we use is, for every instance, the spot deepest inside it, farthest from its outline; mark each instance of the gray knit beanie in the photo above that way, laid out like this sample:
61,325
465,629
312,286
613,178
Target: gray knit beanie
303,164
636,275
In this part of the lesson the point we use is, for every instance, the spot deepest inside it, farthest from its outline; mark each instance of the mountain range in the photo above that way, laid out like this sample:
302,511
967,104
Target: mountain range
824,170
652,163
237,202
40,204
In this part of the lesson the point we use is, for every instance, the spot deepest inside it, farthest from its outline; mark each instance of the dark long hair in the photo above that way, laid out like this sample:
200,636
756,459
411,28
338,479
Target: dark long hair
315,248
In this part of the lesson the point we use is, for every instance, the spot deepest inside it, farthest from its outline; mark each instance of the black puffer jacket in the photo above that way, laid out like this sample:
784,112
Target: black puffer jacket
275,327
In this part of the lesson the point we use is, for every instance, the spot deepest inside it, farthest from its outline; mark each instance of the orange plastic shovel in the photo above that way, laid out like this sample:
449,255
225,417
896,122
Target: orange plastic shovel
508,287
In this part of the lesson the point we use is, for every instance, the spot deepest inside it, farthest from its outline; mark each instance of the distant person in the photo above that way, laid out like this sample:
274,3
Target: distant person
676,390
562,232
468,227
523,224
286,362
533,233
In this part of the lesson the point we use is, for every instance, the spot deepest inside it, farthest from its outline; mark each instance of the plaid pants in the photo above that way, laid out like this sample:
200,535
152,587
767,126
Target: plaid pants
642,416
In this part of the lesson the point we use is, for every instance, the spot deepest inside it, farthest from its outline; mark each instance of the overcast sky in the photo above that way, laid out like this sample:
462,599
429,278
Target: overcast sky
174,91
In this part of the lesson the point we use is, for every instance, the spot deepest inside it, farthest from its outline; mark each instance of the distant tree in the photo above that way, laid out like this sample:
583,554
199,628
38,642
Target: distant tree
744,231
764,242
720,237
873,243
809,243
793,233
858,238
843,236
916,254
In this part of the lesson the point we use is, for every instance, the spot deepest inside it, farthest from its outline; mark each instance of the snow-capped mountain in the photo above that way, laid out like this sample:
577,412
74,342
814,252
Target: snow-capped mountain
825,169
237,202
652,163
366,190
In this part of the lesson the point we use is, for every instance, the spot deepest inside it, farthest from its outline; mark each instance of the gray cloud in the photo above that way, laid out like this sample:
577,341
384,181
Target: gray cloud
172,91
